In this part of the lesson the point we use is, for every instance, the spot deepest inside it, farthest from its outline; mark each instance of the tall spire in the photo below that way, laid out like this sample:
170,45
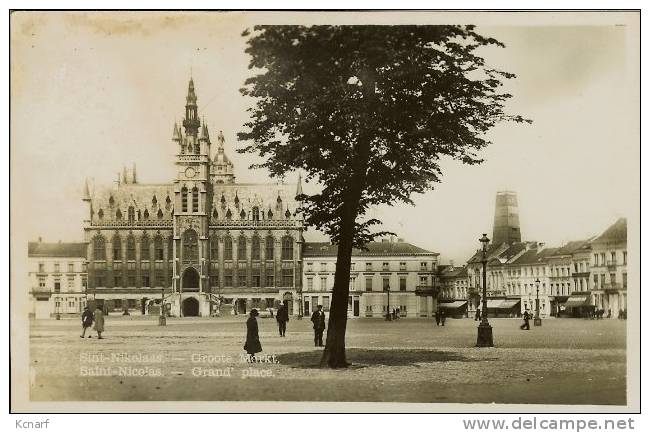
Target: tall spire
191,121
86,190
299,187
125,180
133,176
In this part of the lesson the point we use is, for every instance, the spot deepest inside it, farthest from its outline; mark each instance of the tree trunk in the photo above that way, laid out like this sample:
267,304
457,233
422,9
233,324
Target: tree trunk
334,354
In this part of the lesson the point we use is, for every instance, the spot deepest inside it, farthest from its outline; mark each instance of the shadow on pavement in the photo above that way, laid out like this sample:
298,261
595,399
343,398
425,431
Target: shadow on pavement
365,357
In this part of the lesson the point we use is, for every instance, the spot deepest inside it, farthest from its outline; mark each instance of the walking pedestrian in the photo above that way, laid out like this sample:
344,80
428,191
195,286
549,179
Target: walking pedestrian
443,317
252,344
437,313
86,321
99,322
282,317
318,319
526,324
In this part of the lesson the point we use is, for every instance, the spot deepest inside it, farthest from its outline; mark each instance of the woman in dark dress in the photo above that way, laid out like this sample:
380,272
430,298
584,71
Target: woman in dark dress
252,345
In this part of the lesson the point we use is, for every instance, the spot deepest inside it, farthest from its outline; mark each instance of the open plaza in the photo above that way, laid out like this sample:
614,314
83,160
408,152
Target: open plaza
565,361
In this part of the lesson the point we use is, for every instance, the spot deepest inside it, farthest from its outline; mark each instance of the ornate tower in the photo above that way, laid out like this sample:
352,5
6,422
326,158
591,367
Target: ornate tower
222,167
506,219
193,198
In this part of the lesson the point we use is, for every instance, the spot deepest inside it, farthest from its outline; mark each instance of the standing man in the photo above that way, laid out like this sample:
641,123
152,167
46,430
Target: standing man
99,322
282,316
318,319
437,313
526,324
442,317
86,321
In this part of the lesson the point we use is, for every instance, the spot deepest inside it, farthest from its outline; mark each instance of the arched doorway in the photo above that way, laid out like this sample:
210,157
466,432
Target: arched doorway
190,279
190,307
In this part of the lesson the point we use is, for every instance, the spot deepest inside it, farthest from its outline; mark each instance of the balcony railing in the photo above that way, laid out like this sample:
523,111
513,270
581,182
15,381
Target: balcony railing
611,264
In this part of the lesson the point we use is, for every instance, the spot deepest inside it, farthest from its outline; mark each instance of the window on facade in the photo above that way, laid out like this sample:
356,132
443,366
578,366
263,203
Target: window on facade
402,266
117,281
70,267
385,284
70,283
268,253
184,199
41,267
41,282
159,250
256,213
323,283
256,275
227,248
423,266
625,257
242,272
131,215
255,248
368,284
353,283
612,278
195,199
384,266
57,268
269,271
117,248
310,283
423,280
624,280
287,248
214,248
190,246
287,275
144,248
402,284
369,266
145,281
595,259
241,248
130,248
227,274
613,254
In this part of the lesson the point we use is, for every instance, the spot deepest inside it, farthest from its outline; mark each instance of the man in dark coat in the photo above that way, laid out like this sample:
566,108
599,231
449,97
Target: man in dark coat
526,324
442,317
252,345
86,321
437,314
282,317
318,319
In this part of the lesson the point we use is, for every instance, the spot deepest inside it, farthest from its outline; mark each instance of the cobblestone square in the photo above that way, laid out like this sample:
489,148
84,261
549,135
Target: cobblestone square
566,361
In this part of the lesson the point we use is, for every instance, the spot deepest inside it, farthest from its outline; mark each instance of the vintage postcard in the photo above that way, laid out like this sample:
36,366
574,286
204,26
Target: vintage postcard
229,211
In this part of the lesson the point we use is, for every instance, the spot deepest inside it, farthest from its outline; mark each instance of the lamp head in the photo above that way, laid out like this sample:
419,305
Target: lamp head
484,240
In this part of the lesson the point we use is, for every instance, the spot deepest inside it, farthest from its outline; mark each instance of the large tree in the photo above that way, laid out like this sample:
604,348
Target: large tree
367,112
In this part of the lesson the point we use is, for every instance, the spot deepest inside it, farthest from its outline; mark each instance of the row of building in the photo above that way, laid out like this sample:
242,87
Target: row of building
204,244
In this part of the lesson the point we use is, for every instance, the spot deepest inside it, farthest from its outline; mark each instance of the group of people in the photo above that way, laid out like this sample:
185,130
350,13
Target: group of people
253,345
87,320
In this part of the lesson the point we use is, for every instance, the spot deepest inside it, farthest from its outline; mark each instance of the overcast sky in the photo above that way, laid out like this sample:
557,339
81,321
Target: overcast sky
93,92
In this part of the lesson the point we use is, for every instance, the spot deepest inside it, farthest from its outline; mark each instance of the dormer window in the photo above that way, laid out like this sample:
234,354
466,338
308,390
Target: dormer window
160,214
154,201
256,213
287,214
118,215
228,215
131,214
111,201
242,214
215,215
146,214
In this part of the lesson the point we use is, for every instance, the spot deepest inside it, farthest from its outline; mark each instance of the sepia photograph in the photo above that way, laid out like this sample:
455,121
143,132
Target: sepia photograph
325,211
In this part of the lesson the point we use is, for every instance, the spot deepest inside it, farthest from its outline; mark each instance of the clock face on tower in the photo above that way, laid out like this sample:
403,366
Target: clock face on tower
190,172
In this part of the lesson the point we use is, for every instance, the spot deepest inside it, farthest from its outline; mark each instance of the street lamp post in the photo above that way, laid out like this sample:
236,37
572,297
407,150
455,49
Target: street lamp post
388,316
538,320
162,319
484,337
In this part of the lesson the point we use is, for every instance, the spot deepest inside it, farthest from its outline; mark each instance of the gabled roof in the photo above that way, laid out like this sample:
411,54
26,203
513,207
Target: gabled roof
617,232
58,249
326,249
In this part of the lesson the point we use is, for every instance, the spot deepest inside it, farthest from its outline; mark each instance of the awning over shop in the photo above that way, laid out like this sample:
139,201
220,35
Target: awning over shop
502,304
454,304
577,301
509,303
493,303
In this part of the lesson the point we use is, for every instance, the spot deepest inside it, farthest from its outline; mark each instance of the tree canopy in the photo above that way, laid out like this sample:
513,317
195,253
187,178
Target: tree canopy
433,97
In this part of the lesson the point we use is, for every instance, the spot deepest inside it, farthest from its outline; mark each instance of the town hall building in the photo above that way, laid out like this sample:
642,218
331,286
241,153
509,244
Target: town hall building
203,242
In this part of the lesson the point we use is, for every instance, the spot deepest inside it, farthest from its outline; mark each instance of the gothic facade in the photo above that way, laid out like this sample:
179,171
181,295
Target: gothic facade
203,242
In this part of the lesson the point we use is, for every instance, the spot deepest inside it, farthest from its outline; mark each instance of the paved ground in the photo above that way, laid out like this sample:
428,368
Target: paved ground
566,361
